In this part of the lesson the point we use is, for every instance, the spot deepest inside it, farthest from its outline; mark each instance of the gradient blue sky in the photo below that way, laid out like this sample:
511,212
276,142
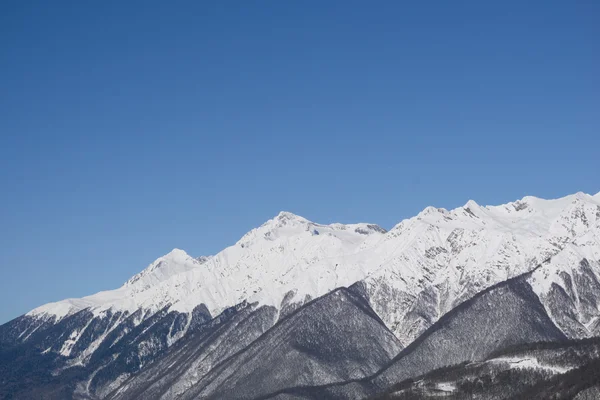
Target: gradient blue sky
130,128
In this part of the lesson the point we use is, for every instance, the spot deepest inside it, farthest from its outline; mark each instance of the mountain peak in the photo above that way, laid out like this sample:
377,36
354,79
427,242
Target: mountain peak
579,197
163,266
286,215
284,219
428,210
176,253
282,223
471,204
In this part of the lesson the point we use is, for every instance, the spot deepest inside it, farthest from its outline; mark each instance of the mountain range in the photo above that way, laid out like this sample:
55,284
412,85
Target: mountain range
450,303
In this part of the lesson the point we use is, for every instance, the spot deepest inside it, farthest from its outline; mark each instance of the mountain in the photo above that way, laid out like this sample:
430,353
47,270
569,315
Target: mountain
410,277
432,261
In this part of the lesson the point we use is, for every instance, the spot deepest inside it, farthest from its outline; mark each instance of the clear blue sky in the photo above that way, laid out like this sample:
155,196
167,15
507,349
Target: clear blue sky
130,128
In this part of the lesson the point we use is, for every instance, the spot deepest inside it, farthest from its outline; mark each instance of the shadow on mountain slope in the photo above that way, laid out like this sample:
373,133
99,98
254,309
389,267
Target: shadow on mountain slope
334,338
504,315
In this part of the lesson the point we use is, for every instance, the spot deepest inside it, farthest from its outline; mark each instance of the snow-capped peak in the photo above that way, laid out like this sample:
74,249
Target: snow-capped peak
289,253
176,253
283,224
432,210
471,204
287,216
175,261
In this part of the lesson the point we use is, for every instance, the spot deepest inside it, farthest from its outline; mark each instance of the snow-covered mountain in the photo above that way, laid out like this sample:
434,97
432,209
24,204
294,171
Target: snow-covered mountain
431,261
286,254
411,276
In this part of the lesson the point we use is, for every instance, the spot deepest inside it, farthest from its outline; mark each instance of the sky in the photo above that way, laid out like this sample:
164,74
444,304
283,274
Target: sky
131,128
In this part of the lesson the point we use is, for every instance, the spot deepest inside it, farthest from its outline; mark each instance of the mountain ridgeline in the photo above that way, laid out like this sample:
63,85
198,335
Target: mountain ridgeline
452,304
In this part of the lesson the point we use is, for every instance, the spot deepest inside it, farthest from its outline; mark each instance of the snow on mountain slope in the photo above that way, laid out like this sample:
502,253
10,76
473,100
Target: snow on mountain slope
440,258
287,253
134,294
414,273
569,287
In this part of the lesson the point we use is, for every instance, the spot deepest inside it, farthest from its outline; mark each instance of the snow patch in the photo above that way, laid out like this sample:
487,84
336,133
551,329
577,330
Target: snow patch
446,386
530,363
